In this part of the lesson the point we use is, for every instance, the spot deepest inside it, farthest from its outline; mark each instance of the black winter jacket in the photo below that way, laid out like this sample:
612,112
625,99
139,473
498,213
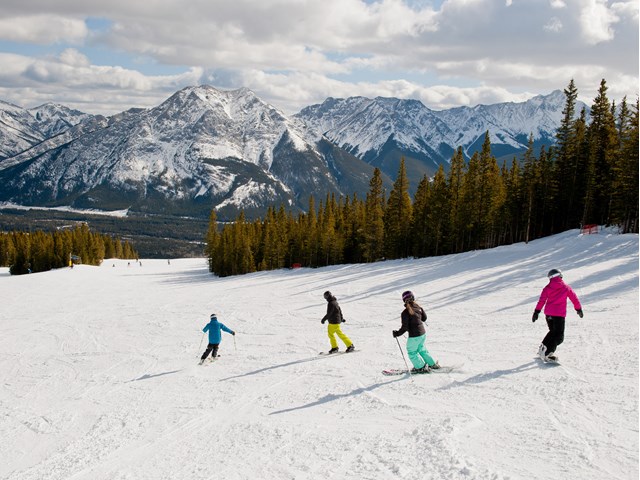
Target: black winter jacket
334,313
414,324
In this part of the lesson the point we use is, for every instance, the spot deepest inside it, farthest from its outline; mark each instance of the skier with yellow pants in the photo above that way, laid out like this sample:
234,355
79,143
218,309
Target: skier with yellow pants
335,318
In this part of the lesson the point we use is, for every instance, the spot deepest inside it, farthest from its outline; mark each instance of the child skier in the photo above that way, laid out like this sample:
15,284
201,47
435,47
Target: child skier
335,318
214,327
413,319
554,299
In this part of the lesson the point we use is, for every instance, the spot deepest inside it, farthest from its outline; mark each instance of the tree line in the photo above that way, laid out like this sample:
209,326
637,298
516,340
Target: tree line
39,251
589,177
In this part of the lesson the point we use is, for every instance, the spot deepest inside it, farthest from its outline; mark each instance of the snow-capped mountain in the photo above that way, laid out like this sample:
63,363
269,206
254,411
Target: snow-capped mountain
54,119
382,130
22,129
206,148
199,149
19,130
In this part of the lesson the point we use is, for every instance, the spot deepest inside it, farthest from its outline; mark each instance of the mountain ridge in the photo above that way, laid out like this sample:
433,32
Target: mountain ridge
205,148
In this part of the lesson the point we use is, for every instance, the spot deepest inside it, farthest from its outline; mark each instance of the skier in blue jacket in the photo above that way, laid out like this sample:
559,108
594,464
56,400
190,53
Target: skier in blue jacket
214,328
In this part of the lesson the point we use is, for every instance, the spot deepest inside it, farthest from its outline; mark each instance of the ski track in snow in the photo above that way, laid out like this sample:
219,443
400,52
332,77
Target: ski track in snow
100,377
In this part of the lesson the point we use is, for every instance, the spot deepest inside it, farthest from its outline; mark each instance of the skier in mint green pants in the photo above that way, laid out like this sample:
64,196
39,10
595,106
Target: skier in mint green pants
413,318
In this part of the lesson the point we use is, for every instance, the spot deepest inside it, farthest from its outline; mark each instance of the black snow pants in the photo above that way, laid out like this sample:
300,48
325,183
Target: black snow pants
556,333
213,348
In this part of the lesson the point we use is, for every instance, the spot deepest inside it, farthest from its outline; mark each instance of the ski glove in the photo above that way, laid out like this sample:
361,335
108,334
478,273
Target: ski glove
322,321
579,312
535,315
395,334
233,333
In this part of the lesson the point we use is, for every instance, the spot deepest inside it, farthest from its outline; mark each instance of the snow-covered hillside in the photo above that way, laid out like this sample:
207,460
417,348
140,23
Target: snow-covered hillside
100,377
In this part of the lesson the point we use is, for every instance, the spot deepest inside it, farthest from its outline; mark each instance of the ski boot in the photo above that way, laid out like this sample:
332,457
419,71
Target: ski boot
424,369
333,350
435,366
350,348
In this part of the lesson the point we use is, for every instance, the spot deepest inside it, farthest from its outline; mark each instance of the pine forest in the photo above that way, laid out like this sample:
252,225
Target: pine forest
590,177
30,252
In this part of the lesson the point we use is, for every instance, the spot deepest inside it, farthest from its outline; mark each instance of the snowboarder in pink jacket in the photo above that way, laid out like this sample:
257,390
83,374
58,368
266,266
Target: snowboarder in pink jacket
554,300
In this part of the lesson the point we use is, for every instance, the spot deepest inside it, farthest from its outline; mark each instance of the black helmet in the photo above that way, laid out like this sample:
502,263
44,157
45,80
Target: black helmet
327,295
213,315
554,272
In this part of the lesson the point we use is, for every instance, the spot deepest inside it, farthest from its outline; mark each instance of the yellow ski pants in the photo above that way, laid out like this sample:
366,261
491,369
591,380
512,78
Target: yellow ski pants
332,331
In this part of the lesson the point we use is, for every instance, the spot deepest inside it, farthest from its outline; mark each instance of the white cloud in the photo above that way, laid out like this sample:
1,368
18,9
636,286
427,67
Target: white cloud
297,52
553,25
42,29
70,80
597,19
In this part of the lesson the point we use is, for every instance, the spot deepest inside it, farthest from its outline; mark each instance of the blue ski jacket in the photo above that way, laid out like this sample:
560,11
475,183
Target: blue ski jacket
214,327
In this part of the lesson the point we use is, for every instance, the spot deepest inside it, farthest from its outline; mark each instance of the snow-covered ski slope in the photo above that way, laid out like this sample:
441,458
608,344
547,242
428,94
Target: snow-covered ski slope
100,377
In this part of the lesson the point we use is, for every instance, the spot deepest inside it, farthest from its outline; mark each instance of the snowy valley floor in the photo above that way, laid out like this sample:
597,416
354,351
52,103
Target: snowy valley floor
100,377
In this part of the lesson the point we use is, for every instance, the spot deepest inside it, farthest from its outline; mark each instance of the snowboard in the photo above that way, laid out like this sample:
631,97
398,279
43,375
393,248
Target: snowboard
548,362
337,353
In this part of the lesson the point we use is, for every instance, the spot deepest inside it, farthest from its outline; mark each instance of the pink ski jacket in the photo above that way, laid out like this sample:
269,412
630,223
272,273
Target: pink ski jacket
554,298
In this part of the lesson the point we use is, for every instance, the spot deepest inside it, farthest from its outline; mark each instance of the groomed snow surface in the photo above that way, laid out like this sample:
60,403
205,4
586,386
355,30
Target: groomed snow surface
100,377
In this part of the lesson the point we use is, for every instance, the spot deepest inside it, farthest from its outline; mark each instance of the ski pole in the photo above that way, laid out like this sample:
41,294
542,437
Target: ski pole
402,353
235,347
200,346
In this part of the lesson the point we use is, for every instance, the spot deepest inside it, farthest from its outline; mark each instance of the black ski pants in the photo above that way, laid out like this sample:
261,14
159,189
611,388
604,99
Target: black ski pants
556,333
213,348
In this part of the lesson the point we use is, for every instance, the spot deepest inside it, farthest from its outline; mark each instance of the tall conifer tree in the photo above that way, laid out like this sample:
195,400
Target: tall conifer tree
397,218
373,248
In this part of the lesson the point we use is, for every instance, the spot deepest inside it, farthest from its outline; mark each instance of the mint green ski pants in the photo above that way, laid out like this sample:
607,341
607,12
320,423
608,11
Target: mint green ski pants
417,352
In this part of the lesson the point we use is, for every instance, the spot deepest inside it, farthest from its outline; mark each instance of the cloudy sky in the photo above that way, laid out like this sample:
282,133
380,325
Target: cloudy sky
108,56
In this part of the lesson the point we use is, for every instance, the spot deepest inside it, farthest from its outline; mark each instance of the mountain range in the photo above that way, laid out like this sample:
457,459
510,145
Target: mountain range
206,148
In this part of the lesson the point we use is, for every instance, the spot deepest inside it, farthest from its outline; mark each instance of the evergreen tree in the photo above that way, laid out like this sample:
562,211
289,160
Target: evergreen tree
242,253
373,248
545,194
397,217
603,150
624,209
570,163
455,183
439,211
41,251
531,181
512,216
420,220
213,237
311,246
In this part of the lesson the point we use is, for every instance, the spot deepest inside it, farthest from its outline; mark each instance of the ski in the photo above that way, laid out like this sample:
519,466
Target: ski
208,361
396,371
404,371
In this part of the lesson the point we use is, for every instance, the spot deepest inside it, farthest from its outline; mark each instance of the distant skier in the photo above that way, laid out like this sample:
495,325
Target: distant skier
413,318
214,328
335,318
554,299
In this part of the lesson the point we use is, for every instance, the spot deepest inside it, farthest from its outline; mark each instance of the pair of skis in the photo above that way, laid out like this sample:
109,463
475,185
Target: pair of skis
404,371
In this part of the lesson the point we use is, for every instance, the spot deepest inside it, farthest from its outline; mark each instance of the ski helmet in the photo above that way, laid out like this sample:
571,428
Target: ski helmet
408,296
327,295
554,272
213,316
